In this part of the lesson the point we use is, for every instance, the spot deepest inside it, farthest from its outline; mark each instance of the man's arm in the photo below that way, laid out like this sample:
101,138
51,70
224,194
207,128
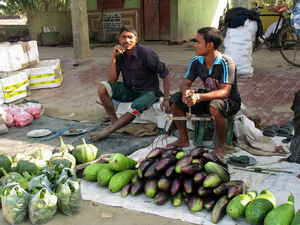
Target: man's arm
112,74
165,104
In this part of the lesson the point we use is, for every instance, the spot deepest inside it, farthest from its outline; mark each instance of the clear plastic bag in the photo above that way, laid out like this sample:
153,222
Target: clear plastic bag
15,202
22,118
10,122
42,206
69,199
33,109
39,182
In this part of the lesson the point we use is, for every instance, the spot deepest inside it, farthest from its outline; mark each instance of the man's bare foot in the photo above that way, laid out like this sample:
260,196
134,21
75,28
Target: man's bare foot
96,136
180,143
220,152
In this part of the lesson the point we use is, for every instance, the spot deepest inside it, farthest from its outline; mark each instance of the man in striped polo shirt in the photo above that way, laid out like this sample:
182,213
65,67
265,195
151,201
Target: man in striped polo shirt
220,98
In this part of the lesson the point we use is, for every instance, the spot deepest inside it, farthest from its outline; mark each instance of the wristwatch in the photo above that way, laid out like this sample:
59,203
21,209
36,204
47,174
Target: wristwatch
198,98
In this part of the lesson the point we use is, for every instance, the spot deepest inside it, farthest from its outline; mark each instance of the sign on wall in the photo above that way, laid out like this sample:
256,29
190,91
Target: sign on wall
111,22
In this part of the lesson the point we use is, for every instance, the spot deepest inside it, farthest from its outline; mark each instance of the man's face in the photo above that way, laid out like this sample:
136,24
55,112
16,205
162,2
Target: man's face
128,40
201,48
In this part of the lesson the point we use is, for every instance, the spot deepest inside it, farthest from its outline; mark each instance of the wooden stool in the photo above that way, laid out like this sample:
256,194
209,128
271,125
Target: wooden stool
200,127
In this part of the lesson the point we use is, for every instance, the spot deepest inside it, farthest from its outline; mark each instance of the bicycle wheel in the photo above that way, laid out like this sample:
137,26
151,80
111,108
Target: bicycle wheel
289,42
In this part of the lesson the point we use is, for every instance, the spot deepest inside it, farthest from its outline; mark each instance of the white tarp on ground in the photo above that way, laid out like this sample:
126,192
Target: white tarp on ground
280,185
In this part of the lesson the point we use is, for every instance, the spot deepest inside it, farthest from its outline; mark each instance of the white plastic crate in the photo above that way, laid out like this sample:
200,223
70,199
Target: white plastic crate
19,55
14,86
45,74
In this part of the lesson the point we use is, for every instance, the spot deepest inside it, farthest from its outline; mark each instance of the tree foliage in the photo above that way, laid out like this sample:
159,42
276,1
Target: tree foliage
23,6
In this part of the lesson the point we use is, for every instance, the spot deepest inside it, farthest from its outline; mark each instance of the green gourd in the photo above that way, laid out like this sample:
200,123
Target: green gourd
5,162
282,214
85,153
42,154
63,148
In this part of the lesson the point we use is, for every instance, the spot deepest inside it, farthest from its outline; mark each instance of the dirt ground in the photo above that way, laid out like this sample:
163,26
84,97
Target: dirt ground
80,105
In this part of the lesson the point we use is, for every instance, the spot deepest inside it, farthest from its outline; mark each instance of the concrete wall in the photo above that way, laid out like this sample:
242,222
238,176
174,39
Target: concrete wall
12,30
61,20
187,16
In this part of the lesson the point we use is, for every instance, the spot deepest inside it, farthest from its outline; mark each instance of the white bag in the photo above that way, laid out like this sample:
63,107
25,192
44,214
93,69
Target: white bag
246,128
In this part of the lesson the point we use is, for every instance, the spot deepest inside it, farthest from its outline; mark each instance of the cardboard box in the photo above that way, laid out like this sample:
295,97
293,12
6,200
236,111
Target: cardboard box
45,74
17,56
14,86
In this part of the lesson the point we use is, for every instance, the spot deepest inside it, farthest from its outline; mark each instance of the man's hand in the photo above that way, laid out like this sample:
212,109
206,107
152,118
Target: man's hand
166,106
189,97
118,49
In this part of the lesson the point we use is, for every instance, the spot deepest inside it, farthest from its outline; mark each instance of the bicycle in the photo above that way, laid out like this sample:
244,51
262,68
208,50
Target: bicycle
285,39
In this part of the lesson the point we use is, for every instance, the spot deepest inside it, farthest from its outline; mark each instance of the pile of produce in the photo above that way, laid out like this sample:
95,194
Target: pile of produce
198,179
35,186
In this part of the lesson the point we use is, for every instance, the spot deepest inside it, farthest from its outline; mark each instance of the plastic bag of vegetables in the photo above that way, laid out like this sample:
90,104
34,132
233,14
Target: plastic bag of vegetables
68,194
42,206
39,182
14,203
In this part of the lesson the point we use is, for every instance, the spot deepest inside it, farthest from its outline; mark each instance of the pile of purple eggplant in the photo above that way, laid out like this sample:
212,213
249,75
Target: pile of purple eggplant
198,178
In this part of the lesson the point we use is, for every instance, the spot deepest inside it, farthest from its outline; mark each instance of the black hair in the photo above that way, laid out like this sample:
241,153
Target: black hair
128,29
211,34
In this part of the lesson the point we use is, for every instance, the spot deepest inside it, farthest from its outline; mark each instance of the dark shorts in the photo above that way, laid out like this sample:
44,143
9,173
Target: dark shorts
140,102
227,107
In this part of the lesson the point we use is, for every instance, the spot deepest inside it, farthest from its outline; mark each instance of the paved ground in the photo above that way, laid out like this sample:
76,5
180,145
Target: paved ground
271,91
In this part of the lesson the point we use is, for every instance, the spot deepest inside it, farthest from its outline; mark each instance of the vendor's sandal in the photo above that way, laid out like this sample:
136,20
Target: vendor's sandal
270,130
285,130
288,139
105,119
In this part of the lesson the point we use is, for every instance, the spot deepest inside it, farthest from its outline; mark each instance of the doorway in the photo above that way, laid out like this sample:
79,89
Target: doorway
157,19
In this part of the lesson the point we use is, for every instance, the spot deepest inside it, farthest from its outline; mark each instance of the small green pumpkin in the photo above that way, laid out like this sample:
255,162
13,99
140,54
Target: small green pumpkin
42,154
30,165
8,177
64,158
20,155
5,162
63,148
85,153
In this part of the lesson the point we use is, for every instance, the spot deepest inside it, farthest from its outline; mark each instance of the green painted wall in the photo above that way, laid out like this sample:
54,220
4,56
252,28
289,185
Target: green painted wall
132,4
91,4
187,16
61,20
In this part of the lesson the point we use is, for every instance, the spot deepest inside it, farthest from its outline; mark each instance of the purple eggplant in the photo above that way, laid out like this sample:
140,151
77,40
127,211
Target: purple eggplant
209,203
126,190
155,153
164,184
145,164
216,159
161,198
138,187
151,188
198,151
195,203
199,177
170,172
188,184
169,152
204,192
176,185
192,169
151,172
186,160
165,163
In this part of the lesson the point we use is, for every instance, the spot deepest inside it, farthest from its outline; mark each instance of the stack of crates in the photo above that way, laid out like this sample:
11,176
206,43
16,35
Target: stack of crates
22,71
